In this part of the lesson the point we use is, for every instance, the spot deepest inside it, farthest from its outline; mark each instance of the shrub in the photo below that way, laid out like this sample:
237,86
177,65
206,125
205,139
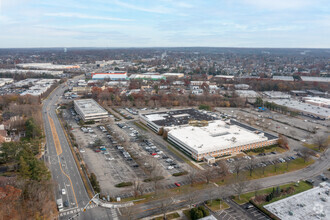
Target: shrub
180,173
124,184
153,179
204,107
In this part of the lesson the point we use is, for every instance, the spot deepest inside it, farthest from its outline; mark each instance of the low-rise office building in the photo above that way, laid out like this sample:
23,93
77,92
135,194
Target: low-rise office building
218,138
158,120
90,110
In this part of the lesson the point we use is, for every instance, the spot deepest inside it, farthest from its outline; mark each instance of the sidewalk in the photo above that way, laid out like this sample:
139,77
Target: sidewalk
180,212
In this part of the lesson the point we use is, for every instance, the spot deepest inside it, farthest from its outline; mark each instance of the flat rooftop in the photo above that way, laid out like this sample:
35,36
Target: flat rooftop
177,117
311,204
217,135
89,107
304,107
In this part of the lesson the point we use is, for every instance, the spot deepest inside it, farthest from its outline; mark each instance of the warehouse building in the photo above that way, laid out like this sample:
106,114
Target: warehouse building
276,95
89,110
112,75
173,75
158,120
305,108
146,77
318,101
218,138
312,204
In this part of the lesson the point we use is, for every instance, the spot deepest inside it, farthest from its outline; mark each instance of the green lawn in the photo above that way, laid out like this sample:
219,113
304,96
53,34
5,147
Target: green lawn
258,173
276,149
169,216
214,205
280,169
303,186
313,147
187,213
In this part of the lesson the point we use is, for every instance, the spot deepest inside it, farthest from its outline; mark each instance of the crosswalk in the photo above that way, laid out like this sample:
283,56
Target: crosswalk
74,211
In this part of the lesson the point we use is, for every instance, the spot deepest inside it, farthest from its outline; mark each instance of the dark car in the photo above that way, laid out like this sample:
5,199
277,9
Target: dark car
66,203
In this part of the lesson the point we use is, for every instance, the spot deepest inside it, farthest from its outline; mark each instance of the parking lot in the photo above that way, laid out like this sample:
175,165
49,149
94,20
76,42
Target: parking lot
114,163
238,212
107,163
299,128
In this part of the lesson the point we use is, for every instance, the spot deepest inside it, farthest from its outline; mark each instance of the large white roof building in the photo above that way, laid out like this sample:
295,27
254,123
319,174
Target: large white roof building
217,139
89,109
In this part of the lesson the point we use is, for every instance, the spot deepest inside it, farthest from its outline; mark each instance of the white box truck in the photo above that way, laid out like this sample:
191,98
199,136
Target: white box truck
59,203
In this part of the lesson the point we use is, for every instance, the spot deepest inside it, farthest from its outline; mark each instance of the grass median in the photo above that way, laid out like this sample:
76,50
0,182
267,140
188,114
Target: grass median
298,188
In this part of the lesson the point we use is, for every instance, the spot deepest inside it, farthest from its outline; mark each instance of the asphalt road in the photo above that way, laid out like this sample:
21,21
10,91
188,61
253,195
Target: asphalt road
66,175
63,167
323,163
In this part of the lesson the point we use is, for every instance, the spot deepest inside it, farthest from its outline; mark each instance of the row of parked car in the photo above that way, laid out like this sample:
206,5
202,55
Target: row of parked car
132,111
156,153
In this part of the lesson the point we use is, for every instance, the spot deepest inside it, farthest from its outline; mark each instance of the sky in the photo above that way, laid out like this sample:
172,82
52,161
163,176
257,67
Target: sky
165,23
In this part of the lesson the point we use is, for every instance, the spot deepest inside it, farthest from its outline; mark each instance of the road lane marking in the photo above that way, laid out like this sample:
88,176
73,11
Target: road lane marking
59,151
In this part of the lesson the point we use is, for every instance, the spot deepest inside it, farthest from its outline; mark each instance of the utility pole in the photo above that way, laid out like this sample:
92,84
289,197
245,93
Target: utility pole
85,208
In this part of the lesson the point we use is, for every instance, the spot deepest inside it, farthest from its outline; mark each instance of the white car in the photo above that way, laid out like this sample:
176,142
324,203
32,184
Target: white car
170,167
63,192
303,140
82,151
156,156
110,158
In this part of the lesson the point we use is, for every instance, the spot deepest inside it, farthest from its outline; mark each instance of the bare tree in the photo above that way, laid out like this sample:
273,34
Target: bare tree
321,141
137,187
128,212
155,172
222,194
239,184
192,196
208,174
238,166
192,176
276,166
221,170
251,164
165,206
305,154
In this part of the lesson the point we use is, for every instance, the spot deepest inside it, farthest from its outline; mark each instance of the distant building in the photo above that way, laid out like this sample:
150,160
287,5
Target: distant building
305,108
247,93
300,93
112,75
276,95
173,75
283,78
315,79
46,66
317,101
242,86
146,77
89,110
317,93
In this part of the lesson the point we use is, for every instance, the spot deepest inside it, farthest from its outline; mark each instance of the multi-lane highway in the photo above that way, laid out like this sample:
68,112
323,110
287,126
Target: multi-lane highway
63,168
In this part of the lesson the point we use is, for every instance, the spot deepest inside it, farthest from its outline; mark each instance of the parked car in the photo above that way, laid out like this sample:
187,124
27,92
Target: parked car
63,192
170,167
177,184
66,203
